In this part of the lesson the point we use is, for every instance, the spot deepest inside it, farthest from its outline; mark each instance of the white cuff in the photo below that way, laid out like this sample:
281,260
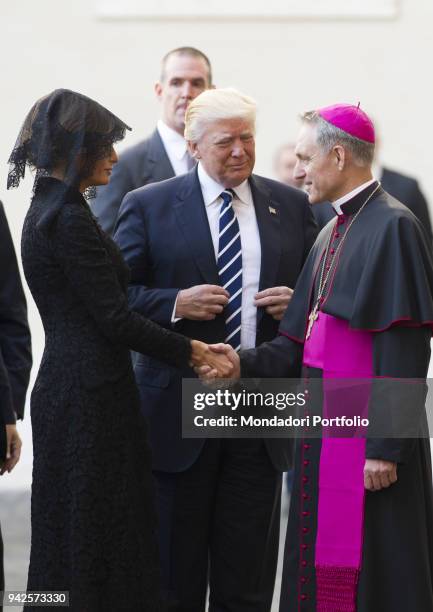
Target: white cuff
175,319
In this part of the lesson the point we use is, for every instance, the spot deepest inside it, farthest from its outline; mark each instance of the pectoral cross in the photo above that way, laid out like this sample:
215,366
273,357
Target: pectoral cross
314,315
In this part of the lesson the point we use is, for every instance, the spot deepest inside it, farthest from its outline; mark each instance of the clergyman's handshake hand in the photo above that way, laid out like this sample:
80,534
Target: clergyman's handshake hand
207,372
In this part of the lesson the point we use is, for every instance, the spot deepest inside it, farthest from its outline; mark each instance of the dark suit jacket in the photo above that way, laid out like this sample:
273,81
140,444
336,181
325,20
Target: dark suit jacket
404,188
407,191
165,238
15,347
144,163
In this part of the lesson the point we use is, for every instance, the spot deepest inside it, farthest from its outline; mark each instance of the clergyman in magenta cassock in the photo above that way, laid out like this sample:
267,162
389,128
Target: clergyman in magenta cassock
360,530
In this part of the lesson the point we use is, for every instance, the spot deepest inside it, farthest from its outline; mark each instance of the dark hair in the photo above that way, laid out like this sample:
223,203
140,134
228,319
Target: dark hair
188,51
64,128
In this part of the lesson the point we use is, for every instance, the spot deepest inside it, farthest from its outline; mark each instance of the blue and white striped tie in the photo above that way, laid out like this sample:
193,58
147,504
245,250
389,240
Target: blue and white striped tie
230,268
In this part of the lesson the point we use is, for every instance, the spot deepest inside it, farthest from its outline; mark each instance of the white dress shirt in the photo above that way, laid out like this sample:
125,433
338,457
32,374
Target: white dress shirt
339,203
175,147
244,210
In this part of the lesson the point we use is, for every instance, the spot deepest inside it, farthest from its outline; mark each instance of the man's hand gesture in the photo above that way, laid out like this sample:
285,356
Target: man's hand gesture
201,302
274,300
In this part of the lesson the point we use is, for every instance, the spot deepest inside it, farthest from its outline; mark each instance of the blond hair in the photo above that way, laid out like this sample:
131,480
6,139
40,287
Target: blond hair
215,105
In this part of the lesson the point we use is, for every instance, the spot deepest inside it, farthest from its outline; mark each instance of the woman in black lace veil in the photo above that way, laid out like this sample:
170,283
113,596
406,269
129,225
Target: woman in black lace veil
93,521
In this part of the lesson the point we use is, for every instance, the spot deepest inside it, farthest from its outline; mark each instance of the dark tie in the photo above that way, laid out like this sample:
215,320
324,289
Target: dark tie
230,268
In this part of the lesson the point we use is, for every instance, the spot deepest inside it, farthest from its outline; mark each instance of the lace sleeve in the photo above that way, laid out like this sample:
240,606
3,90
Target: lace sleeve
78,248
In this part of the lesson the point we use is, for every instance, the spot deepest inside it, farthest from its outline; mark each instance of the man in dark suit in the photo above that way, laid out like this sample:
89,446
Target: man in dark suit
218,500
15,357
407,190
284,165
185,73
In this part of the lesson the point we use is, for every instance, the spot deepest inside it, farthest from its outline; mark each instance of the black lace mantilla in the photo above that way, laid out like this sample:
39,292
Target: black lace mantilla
60,129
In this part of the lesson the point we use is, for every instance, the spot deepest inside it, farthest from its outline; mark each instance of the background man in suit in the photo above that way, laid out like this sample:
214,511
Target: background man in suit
284,165
404,188
185,73
15,357
214,254
407,190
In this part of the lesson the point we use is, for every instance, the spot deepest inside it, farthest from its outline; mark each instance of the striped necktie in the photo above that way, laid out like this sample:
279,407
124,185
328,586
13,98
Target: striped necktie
230,268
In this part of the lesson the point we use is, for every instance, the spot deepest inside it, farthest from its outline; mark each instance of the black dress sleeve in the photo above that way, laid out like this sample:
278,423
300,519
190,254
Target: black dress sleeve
7,414
79,250
400,352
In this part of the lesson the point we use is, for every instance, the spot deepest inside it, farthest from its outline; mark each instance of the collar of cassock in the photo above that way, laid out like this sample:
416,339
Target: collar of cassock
352,202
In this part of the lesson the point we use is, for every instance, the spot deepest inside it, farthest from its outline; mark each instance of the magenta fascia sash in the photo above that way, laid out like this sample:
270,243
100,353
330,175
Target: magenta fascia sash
342,353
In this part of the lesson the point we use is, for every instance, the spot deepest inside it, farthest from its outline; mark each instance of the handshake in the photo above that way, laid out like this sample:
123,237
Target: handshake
212,361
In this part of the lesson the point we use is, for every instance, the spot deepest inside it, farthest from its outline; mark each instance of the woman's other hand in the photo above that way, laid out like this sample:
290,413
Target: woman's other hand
13,449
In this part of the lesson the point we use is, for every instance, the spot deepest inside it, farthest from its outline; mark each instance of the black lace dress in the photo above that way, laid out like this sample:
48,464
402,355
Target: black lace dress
93,521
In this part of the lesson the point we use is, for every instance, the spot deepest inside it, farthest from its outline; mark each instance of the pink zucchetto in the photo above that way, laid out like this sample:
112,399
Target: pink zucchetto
351,119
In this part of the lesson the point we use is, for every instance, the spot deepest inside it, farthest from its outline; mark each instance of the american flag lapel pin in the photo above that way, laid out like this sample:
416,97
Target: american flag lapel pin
272,210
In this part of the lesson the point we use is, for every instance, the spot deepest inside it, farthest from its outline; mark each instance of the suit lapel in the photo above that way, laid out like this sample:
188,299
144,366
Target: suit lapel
268,221
193,222
191,215
159,166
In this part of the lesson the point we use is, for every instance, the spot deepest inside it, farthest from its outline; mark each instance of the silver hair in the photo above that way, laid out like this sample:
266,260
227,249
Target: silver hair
329,135
215,105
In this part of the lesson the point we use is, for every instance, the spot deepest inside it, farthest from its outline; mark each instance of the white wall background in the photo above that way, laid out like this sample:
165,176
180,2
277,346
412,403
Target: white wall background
287,65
